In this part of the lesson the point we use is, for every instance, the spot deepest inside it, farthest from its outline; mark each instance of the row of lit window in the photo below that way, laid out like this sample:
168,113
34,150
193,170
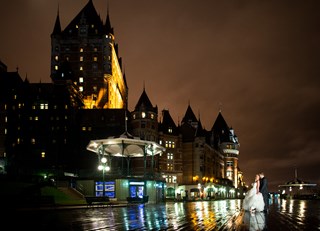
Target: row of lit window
81,50
86,129
33,141
45,106
170,179
94,67
92,26
144,115
230,146
170,144
81,58
42,106
36,118
81,88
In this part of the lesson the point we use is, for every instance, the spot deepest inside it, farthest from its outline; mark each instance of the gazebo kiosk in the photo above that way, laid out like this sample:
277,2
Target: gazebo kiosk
126,184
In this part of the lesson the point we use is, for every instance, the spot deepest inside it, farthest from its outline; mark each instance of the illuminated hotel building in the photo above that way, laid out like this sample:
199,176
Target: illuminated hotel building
47,126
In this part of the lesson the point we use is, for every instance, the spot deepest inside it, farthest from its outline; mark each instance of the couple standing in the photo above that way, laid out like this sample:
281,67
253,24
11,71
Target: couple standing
257,197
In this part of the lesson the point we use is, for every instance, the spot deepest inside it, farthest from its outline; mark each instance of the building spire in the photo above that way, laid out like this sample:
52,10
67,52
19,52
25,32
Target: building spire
220,107
108,27
57,25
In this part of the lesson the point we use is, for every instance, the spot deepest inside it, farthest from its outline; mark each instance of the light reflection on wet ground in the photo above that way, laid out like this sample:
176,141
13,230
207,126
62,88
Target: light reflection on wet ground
169,216
206,215
202,215
295,215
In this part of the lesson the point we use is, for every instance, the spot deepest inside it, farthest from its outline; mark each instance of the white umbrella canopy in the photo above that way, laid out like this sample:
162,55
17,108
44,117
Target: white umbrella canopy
125,146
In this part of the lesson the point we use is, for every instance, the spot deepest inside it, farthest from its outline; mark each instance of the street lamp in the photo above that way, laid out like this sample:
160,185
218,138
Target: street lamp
104,167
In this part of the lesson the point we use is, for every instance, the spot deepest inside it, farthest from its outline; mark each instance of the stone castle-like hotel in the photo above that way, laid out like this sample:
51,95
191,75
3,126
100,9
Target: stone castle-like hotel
45,128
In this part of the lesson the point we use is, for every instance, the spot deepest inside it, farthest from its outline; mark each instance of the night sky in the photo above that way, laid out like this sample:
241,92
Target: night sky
257,61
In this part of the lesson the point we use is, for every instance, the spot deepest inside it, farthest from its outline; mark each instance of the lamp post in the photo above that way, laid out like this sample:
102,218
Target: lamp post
104,167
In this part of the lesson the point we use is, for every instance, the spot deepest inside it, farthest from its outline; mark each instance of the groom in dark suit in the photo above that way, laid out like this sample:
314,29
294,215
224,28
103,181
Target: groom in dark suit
264,190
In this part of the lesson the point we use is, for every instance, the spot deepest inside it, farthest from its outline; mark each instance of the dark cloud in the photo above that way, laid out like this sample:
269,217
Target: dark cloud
258,61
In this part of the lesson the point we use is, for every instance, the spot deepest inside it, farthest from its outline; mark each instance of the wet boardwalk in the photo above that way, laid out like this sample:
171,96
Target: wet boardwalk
202,215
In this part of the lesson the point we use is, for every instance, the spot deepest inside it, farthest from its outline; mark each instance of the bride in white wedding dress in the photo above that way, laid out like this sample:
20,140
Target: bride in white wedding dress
253,200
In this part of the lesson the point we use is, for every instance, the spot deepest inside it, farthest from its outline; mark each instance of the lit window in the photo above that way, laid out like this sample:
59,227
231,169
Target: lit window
170,130
84,128
81,79
36,118
169,144
81,58
143,114
33,140
81,68
81,88
95,49
81,49
43,154
56,67
95,88
174,179
152,116
56,57
95,58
